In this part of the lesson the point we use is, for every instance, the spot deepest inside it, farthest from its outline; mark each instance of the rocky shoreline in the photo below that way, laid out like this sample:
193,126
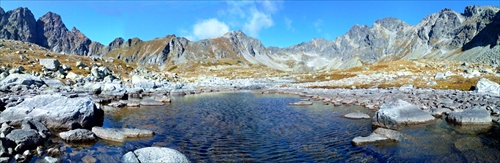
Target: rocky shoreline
35,108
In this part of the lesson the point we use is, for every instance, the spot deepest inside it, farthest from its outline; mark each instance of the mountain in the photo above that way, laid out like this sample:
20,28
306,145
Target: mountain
446,35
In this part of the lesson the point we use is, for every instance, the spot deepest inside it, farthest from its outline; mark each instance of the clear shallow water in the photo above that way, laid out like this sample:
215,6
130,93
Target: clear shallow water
247,127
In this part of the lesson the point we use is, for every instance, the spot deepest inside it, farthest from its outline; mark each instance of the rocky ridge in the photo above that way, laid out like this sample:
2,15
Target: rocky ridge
447,34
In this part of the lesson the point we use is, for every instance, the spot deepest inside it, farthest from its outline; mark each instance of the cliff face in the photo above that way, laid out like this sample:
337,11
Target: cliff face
447,35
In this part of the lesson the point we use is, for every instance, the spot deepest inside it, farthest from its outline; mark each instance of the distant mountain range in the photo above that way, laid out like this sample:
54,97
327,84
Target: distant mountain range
447,35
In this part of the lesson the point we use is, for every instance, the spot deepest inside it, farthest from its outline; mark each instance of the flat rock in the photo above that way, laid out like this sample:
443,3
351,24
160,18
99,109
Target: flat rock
117,104
474,116
357,115
56,112
78,136
149,102
154,154
397,113
301,103
380,135
163,99
121,134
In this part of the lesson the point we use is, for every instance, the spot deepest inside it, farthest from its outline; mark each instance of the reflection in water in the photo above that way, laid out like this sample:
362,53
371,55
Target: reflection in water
243,126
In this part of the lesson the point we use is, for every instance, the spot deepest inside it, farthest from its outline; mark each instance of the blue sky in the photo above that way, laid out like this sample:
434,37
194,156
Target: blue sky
275,23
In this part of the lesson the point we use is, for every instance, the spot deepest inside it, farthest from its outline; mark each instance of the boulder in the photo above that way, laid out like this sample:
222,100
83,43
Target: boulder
50,64
120,134
56,112
5,130
378,136
73,76
488,87
474,116
25,139
440,75
357,115
397,113
78,136
155,154
53,83
36,125
93,88
4,147
100,72
21,79
80,64
140,82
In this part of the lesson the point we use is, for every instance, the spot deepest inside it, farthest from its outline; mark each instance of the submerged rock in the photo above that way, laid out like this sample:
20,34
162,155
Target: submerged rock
301,103
395,114
120,134
378,136
78,136
357,115
474,116
154,154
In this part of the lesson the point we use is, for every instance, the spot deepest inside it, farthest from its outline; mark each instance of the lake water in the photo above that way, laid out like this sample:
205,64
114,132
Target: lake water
248,127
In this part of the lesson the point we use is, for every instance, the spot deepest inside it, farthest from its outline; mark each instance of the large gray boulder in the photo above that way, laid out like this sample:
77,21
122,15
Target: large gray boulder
154,154
56,112
397,113
50,64
121,134
25,139
100,72
488,87
78,136
474,116
53,83
21,79
140,82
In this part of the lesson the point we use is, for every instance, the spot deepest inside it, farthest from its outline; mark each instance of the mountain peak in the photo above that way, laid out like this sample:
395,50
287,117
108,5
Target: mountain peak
480,10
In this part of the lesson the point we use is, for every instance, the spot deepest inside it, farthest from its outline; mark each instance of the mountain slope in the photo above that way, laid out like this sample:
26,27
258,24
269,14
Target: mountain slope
446,35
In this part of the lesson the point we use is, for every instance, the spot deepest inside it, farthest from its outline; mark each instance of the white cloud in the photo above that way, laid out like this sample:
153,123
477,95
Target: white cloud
317,25
250,16
257,22
208,29
288,23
